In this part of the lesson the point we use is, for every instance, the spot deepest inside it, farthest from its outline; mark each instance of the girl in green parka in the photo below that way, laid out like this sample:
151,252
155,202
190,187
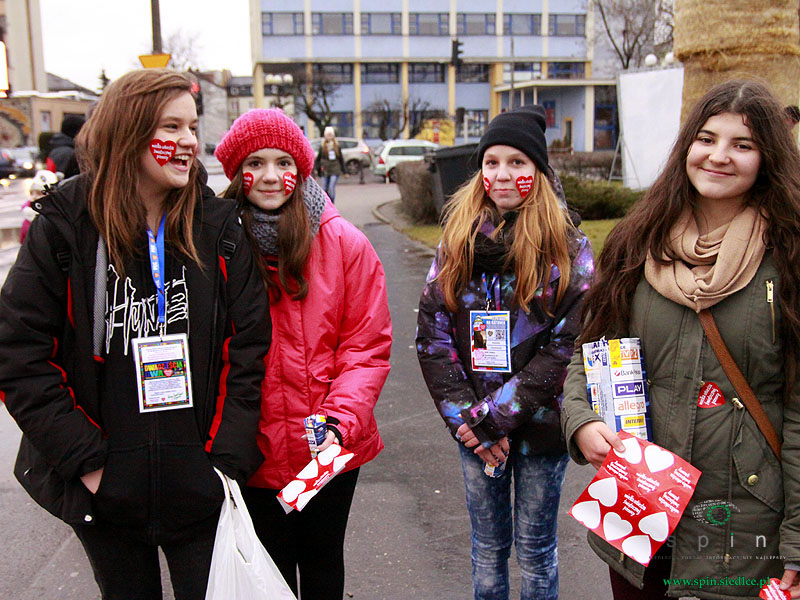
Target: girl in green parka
719,229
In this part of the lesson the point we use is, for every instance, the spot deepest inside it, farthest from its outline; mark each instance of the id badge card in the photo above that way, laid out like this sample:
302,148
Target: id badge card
162,372
490,346
331,154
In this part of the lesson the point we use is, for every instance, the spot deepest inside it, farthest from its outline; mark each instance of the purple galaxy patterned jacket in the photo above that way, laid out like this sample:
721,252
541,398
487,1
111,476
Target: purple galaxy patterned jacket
524,404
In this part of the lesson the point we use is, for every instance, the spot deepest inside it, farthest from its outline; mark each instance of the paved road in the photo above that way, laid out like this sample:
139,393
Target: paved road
409,533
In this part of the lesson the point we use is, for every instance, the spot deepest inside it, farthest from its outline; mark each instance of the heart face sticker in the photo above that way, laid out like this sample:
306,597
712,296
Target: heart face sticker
487,185
587,513
247,182
289,182
773,591
638,548
524,185
656,526
633,451
168,372
605,491
710,396
310,471
658,459
291,491
162,150
615,527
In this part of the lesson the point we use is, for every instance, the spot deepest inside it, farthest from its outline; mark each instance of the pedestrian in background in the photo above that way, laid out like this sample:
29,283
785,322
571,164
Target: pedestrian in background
330,348
719,229
61,158
497,324
330,163
133,329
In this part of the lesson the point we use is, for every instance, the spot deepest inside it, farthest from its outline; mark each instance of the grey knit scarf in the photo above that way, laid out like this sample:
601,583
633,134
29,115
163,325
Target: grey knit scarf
265,223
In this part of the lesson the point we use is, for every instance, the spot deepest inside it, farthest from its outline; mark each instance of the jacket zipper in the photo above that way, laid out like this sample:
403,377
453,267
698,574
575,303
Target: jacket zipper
771,302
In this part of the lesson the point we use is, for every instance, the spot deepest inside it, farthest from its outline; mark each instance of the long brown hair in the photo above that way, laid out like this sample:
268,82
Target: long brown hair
294,239
541,239
111,146
645,229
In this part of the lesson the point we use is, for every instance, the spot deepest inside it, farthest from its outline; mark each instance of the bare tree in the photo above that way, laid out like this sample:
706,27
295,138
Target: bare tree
634,27
392,117
184,49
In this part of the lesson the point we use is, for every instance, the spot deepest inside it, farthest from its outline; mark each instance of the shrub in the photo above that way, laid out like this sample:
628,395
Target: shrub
416,192
585,165
598,199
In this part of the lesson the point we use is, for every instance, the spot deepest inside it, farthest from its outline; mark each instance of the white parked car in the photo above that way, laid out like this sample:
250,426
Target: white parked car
389,154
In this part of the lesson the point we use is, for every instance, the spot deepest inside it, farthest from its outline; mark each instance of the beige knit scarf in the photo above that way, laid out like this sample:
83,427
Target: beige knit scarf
709,267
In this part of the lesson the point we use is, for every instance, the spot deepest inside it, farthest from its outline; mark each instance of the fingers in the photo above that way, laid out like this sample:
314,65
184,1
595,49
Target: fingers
788,581
595,440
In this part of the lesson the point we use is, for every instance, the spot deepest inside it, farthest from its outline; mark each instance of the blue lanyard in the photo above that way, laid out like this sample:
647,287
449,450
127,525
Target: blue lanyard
495,285
157,269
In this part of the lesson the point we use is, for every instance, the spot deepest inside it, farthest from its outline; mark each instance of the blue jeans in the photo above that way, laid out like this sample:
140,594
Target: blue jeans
537,490
329,185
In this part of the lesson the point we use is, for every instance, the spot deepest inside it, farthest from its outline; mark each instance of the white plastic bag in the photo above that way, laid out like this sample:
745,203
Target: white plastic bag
241,569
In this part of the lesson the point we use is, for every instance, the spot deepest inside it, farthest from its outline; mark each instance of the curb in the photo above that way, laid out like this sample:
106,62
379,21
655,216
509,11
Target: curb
376,212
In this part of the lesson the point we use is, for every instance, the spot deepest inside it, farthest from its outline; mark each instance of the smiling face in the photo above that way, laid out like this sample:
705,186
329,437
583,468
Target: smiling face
502,167
270,168
177,125
723,160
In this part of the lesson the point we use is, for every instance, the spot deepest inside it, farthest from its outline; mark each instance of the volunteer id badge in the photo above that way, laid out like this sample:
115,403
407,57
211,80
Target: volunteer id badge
489,342
162,372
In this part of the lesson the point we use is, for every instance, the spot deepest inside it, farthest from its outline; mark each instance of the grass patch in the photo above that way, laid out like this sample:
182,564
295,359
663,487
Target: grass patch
596,231
427,234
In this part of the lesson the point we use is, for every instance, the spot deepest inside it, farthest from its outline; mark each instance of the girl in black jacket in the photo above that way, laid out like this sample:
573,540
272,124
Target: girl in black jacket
126,409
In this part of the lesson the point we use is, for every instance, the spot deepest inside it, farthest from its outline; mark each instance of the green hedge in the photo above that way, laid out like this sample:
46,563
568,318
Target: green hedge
598,199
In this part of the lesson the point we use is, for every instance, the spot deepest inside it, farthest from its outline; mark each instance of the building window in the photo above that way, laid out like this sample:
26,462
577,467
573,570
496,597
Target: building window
523,71
380,73
342,123
331,23
381,24
605,117
426,73
380,124
471,73
567,25
282,23
333,72
428,24
475,23
476,123
518,24
549,113
565,70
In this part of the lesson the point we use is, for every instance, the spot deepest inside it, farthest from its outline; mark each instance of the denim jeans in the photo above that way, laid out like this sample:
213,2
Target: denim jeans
329,185
532,527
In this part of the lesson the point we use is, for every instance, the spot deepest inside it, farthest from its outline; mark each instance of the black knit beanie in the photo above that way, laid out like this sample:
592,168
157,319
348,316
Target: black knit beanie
71,125
521,128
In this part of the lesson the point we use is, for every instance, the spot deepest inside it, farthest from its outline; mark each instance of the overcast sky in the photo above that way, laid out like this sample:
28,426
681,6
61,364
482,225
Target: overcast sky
81,37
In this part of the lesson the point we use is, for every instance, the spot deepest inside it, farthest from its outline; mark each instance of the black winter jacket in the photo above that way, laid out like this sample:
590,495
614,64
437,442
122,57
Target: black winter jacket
49,375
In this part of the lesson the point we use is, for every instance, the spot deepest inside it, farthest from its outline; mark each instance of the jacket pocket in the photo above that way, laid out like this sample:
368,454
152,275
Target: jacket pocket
189,489
757,469
124,490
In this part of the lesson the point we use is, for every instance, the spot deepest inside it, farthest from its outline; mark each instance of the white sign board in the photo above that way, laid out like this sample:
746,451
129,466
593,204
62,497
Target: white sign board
649,116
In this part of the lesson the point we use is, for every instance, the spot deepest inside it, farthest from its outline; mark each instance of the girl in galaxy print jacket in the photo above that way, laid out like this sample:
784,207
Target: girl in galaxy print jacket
488,260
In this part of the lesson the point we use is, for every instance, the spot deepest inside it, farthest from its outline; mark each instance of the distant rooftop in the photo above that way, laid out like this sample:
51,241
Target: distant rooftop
59,84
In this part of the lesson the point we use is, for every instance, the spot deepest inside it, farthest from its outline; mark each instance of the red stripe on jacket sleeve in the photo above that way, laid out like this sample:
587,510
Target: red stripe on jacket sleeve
69,303
223,393
223,267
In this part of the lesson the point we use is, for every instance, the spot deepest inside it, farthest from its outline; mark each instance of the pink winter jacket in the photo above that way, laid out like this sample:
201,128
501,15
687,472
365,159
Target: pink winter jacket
329,354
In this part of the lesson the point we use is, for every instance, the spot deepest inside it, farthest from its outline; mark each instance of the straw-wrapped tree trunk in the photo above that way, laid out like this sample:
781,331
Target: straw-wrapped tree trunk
719,40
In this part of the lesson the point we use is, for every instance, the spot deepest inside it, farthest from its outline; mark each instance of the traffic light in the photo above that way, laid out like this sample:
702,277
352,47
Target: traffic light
455,55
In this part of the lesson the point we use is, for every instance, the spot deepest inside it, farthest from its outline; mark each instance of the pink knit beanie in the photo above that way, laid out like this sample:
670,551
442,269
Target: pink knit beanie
264,128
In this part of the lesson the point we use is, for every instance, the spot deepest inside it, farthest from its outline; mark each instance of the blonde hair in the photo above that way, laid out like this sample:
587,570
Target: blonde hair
112,143
541,239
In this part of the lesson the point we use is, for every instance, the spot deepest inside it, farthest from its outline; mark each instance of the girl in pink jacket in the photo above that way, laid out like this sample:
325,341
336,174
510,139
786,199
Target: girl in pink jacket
331,341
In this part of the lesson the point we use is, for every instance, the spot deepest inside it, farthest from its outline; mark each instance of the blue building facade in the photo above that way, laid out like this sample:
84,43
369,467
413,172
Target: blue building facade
394,60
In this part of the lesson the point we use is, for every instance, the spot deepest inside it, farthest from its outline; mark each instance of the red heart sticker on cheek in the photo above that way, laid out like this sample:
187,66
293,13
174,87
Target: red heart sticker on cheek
524,185
487,185
162,151
289,182
247,182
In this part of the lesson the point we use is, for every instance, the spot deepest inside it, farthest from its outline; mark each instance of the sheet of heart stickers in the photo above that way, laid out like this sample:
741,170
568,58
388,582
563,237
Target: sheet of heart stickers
162,151
773,591
308,482
637,497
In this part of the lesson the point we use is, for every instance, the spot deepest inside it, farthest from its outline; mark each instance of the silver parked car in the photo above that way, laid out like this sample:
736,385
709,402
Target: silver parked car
355,152
393,152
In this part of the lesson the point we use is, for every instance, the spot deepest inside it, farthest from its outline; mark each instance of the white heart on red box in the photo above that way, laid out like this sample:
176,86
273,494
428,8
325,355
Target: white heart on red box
658,459
605,491
633,451
638,548
615,527
587,513
656,526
